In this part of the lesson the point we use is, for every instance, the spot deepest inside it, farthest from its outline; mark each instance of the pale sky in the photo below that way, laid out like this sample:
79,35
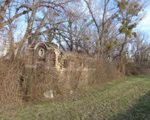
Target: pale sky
144,25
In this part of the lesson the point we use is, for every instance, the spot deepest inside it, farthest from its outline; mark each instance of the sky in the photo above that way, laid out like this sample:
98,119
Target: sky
144,25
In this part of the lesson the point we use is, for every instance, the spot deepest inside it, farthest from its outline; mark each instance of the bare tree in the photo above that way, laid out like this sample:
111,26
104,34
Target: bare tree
102,24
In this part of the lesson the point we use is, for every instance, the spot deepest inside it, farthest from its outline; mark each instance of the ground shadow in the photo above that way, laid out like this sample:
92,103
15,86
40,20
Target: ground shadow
140,111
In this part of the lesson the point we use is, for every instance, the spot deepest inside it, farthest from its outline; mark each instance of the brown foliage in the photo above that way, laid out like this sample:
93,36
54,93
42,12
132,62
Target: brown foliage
90,71
9,84
136,69
18,83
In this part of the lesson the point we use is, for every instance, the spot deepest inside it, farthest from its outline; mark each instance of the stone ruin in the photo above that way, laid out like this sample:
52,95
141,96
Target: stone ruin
47,56
43,53
36,53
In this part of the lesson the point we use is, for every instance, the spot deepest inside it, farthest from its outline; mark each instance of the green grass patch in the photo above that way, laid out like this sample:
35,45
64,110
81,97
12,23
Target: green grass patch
118,100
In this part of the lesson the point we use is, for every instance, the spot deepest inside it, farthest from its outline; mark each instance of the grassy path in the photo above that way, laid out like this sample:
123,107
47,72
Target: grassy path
124,100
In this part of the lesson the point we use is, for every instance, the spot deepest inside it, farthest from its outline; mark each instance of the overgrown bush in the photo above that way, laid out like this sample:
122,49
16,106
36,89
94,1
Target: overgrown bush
136,69
9,84
19,83
90,71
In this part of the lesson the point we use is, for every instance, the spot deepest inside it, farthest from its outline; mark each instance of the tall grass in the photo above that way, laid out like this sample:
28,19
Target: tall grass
83,71
9,84
19,84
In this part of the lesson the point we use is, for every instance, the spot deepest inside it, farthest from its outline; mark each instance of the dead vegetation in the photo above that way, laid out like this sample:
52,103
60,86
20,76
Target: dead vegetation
99,42
19,84
137,69
9,84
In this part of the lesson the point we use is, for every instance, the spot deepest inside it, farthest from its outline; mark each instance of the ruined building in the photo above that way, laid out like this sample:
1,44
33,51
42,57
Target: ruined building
35,53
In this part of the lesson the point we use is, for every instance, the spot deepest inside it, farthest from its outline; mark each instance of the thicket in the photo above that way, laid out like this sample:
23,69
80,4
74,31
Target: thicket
19,84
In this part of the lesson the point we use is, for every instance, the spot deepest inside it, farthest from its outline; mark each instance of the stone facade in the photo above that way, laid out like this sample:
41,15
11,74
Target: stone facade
47,54
40,53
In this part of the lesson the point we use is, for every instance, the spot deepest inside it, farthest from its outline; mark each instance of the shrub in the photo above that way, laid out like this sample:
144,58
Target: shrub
90,71
19,83
136,69
9,84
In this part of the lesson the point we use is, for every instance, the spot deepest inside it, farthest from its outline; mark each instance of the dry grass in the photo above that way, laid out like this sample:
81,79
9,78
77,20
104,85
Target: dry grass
83,71
9,84
136,69
19,84
127,99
